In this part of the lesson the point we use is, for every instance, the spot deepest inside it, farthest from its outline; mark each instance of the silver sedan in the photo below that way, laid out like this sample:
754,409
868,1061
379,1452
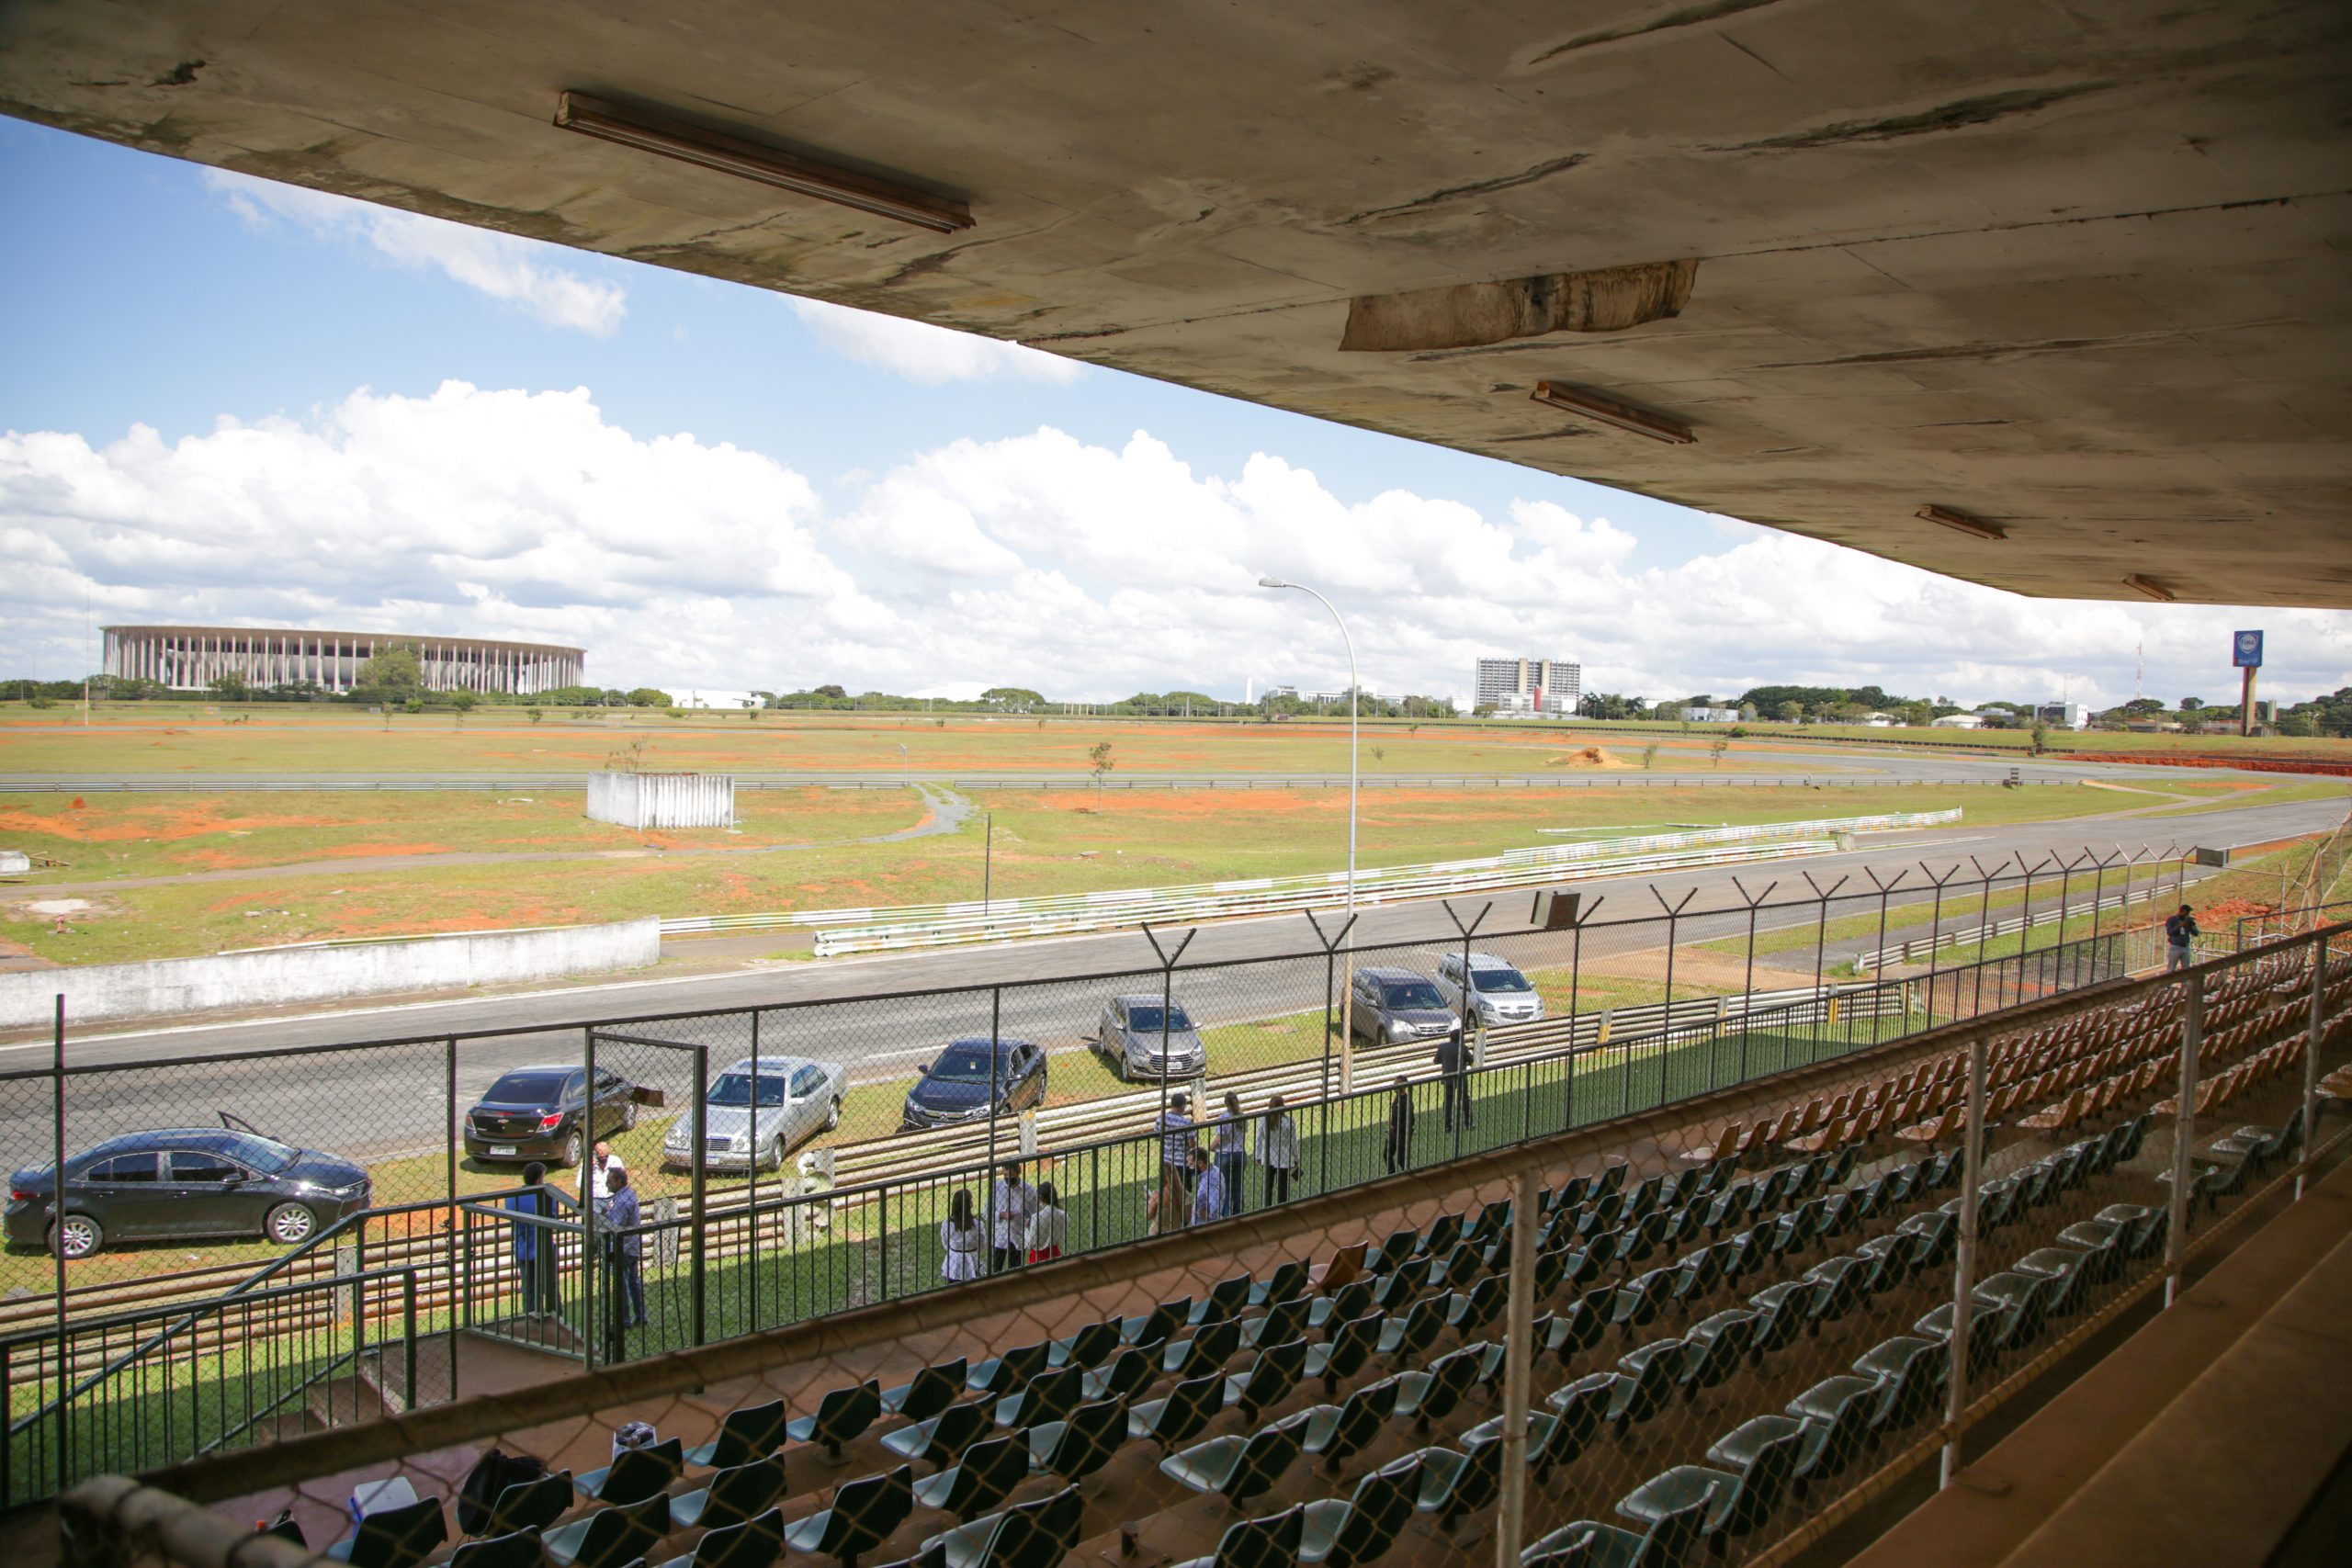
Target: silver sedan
760,1112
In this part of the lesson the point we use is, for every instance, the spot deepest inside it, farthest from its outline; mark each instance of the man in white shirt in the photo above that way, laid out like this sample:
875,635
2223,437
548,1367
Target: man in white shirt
1013,1202
595,1177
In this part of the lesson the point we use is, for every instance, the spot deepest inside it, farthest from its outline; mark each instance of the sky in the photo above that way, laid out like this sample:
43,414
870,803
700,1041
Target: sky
224,400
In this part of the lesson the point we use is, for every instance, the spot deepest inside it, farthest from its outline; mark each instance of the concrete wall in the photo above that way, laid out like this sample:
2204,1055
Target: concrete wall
170,986
662,800
14,861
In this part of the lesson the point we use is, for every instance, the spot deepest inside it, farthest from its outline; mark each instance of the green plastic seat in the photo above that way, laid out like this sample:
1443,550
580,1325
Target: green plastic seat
610,1538
1575,1328
757,1542
843,1415
1090,1347
1224,1300
1002,1374
978,1481
1269,1381
1403,1338
1825,1448
1205,1352
743,1492
1027,1535
1345,1353
938,1439
1283,1321
1289,1279
1049,1397
1736,1503
1589,1543
1468,1312
638,1475
1351,1532
1129,1373
1456,1484
2067,1268
395,1538
531,1505
1181,1414
1344,1305
1238,1468
1075,1447
1333,1433
522,1549
747,1433
1270,1542
1434,1393
1150,1330
865,1514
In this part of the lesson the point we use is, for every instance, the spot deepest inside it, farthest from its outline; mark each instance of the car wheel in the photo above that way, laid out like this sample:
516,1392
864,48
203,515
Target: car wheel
628,1117
778,1156
289,1224
574,1149
833,1115
78,1236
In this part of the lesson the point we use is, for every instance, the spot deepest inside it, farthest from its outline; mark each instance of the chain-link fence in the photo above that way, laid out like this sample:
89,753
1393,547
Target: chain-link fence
787,1162
1729,1317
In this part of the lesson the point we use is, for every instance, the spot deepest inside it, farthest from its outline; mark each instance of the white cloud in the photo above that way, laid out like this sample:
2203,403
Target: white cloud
932,356
1041,561
522,273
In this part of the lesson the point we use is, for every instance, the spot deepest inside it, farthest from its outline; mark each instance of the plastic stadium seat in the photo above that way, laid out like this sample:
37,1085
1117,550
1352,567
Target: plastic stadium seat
933,1390
754,1543
1345,1353
395,1538
1456,1484
1270,1542
733,1496
1589,1543
1127,1375
748,1433
1090,1347
1048,1397
938,1441
524,1548
610,1538
1239,1468
1269,1381
1735,1501
1206,1351
1434,1393
1407,1336
1289,1279
1336,1432
1028,1535
978,1482
1347,1534
1224,1300
843,1415
1181,1415
1149,1330
638,1475
1285,1320
1004,1374
865,1512
529,1504
1075,1447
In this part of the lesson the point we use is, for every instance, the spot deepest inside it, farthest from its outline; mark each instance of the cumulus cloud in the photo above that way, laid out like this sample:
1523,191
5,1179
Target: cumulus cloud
932,356
1040,561
519,271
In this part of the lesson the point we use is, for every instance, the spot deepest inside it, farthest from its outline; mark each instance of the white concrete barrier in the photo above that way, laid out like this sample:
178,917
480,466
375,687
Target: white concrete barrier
662,800
321,972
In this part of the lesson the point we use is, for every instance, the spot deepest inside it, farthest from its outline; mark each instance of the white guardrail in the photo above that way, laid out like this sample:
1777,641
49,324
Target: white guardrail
1874,959
934,925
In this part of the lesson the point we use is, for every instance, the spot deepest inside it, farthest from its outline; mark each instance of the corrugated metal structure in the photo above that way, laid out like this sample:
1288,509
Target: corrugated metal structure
662,800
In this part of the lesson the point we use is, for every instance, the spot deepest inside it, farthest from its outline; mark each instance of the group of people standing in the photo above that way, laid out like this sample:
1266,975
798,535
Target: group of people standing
1026,1224
605,1190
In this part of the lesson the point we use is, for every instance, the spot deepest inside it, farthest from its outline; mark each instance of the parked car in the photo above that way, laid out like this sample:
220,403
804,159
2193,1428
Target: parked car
1498,992
955,1087
1131,1042
541,1113
760,1116
1393,1006
181,1183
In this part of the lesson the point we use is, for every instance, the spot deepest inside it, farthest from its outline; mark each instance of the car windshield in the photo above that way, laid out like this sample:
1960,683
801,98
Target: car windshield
1498,979
963,1064
1145,1019
1411,994
735,1089
526,1089
265,1155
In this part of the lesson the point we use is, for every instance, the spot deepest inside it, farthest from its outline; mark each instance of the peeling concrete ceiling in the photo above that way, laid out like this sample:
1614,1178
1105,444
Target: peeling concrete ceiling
2074,270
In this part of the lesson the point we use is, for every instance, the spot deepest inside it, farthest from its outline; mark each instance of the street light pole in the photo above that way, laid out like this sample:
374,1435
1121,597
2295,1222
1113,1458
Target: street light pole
1347,997
905,776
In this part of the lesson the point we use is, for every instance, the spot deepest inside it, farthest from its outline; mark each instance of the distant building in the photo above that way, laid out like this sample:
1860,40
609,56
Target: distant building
1710,716
1540,685
189,659
2066,716
1958,721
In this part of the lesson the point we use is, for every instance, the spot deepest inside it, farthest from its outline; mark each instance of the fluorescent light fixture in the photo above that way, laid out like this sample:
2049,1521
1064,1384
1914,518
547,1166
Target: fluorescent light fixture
728,154
1610,411
1961,522
2151,587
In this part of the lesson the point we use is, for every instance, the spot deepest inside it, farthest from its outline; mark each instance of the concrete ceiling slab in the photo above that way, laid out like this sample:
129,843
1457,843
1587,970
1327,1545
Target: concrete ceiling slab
2079,269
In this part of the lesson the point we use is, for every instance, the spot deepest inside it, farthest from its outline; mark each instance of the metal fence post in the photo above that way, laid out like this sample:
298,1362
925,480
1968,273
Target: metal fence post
588,1280
1936,933
449,1145
1972,1182
1666,1036
1511,1518
699,1200
2192,1044
2311,1064
57,1240
1748,982
1459,1090
1820,944
752,1189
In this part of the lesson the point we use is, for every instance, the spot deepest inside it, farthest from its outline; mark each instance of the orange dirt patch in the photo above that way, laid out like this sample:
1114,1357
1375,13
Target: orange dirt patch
146,821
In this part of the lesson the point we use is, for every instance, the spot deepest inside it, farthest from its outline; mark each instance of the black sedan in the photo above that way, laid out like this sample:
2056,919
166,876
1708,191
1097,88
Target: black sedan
542,1113
957,1088
184,1182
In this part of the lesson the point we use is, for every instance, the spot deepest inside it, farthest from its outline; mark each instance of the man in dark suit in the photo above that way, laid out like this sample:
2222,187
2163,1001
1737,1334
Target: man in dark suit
1453,1064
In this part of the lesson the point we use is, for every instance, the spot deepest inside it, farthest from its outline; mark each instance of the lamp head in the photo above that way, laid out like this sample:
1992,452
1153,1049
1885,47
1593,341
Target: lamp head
1271,583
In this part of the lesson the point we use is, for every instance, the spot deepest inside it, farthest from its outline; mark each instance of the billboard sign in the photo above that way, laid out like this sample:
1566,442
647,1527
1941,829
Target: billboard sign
2247,647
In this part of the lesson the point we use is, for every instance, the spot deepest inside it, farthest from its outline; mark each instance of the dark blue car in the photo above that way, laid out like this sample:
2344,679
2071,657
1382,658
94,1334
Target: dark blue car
957,1088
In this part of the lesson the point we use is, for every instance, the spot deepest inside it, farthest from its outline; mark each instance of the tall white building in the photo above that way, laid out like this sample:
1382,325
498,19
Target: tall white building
1529,685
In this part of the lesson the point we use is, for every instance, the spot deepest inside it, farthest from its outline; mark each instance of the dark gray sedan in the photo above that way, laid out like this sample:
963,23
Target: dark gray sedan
184,1182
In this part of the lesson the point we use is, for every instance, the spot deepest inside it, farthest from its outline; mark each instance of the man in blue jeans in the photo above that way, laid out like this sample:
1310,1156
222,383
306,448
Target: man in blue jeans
625,1247
2181,929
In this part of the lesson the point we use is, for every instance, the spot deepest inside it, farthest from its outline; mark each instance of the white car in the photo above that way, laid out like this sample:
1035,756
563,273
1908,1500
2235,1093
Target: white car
1498,990
796,1098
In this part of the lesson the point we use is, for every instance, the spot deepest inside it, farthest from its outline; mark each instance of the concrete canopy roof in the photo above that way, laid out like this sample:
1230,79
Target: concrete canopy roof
2077,271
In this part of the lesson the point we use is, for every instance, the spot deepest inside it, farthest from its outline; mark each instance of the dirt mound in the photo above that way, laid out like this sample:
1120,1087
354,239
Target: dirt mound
1586,757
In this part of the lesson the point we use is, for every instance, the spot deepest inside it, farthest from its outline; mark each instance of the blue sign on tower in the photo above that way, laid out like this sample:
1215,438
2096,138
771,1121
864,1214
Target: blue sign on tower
2248,648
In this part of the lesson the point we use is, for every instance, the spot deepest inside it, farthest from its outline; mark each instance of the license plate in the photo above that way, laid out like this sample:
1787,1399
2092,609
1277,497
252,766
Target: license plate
501,1148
